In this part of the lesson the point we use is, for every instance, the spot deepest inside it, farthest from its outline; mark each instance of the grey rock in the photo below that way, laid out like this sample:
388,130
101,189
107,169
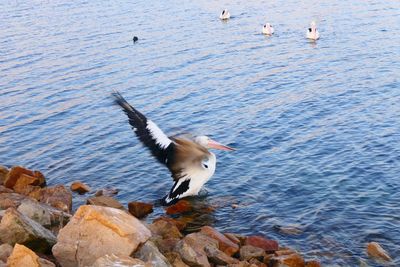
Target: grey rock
5,252
148,252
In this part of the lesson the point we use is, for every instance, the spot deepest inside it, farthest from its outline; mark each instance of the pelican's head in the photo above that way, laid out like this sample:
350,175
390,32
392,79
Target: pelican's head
208,143
268,29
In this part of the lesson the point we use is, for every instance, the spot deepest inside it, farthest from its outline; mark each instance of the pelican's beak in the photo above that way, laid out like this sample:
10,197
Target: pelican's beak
216,145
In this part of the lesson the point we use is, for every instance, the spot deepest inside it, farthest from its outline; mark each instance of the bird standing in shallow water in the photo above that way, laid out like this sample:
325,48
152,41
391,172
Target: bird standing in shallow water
312,32
189,161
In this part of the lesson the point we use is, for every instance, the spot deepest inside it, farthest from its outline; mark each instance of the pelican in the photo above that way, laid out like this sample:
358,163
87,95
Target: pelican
267,29
225,14
189,161
312,32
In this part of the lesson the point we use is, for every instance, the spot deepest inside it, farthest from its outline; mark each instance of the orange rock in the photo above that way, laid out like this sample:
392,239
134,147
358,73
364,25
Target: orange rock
181,206
313,263
165,229
23,256
225,244
375,250
232,237
57,196
291,260
140,209
285,251
17,171
3,174
178,223
80,187
261,242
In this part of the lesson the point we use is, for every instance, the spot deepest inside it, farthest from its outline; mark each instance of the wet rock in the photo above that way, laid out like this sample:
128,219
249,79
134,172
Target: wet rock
42,213
10,200
57,196
181,225
289,230
24,176
191,249
181,206
175,259
80,187
23,256
108,192
291,260
375,251
120,261
140,209
18,228
95,231
105,201
249,252
218,257
5,252
3,173
266,244
314,263
225,244
165,229
148,252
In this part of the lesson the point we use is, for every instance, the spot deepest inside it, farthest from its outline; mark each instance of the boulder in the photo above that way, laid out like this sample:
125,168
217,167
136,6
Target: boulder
95,231
57,196
234,238
375,251
181,206
3,174
140,209
266,244
290,260
165,229
218,257
249,252
165,245
18,174
10,200
5,252
23,256
175,259
225,244
80,187
148,252
18,228
105,201
181,225
4,189
120,261
42,213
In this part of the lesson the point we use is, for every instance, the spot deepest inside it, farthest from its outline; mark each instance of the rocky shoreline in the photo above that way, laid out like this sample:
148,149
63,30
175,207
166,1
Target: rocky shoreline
39,228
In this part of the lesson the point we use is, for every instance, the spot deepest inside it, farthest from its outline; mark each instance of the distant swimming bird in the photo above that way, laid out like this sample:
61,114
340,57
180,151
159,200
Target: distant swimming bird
312,32
268,29
225,14
135,39
189,161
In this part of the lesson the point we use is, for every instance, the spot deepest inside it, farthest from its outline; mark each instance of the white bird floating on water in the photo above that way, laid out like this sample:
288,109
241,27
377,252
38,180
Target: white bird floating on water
189,161
225,14
312,32
268,29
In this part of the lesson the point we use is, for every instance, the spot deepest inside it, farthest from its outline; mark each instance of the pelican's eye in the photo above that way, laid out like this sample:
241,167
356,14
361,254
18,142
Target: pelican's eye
205,166
309,29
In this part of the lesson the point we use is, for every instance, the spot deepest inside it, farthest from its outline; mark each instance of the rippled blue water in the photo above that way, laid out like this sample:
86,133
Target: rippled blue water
317,125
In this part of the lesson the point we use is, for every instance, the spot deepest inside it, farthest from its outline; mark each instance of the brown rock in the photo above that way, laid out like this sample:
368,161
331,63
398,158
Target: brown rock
181,225
5,252
374,250
191,249
4,189
284,251
257,263
166,245
140,209
291,260
23,256
249,252
95,231
234,238
26,190
57,196
18,228
218,257
313,263
149,252
181,206
10,200
225,244
80,187
165,229
121,261
3,174
261,242
109,192
18,172
105,201
175,259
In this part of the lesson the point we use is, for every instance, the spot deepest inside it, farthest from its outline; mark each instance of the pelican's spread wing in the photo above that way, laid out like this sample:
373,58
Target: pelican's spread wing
147,131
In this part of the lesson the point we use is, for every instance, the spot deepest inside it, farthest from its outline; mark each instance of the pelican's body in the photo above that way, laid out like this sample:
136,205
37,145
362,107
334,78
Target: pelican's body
189,161
268,29
312,32
225,15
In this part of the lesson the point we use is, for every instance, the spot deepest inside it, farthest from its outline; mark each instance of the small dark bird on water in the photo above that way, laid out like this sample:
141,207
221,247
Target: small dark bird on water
135,39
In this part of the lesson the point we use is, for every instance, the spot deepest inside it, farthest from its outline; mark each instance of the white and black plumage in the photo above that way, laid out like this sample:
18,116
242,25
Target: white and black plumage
189,161
312,32
225,14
